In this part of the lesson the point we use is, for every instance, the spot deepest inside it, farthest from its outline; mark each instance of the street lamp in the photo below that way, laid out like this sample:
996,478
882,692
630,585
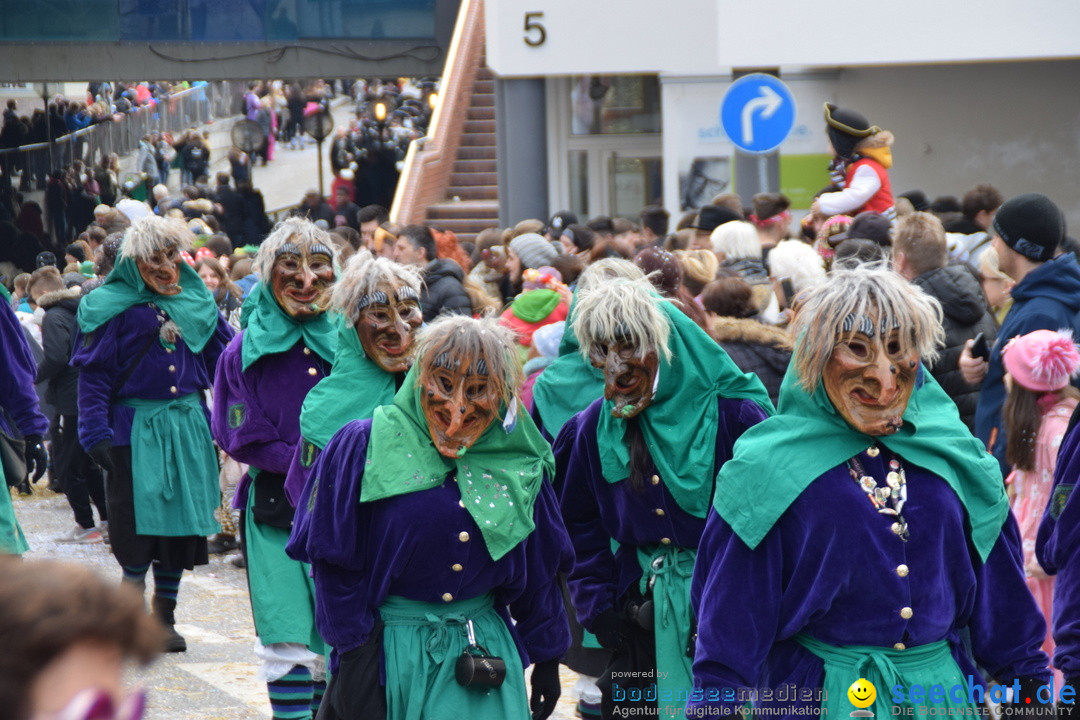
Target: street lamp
433,100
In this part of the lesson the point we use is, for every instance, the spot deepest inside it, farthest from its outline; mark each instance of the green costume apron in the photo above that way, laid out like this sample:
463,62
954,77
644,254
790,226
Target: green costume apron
668,570
174,468
421,644
281,589
924,665
12,540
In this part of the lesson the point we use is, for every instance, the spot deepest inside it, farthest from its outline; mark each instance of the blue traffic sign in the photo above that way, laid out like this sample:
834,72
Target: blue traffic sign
757,113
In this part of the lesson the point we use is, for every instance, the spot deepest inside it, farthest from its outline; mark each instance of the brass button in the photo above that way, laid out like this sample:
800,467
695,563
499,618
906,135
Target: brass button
461,503
169,350
655,480
873,451
172,368
665,541
456,567
902,570
905,613
307,351
447,597
899,646
312,371
173,389
463,536
659,512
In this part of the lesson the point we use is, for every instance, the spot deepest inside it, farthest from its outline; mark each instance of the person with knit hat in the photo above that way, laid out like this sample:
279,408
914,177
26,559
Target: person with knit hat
862,532
530,250
435,543
862,156
1040,402
1027,234
634,471
544,299
148,343
285,347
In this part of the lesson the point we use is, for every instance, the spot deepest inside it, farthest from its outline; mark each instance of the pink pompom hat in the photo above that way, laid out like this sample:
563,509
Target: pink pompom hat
1042,360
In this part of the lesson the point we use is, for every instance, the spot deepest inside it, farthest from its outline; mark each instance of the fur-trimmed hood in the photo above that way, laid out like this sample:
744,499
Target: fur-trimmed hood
728,329
56,297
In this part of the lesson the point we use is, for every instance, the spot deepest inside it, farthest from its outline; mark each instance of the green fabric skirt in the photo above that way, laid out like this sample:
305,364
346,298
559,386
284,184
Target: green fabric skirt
669,569
925,665
282,591
173,468
421,644
12,540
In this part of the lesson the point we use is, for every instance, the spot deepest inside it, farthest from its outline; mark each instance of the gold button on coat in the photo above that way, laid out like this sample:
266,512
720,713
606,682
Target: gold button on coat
655,480
665,541
312,371
307,351
899,646
447,597
172,368
463,536
659,512
902,570
173,389
905,613
456,567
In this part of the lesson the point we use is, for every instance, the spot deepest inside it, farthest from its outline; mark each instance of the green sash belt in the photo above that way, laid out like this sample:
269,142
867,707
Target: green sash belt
925,665
12,540
421,644
173,468
669,569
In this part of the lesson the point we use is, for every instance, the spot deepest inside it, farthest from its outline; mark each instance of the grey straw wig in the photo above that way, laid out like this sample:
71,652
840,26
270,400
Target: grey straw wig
460,336
866,290
295,231
364,273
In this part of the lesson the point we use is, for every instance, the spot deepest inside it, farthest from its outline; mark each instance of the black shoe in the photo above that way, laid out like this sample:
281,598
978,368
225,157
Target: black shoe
24,487
174,641
221,544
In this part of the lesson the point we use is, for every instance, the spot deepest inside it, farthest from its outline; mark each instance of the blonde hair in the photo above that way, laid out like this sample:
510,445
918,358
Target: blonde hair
149,234
291,231
866,290
921,237
737,240
989,264
622,311
451,338
602,271
363,274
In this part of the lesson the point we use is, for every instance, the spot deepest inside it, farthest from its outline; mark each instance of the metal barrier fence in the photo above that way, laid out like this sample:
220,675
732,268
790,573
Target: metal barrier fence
174,114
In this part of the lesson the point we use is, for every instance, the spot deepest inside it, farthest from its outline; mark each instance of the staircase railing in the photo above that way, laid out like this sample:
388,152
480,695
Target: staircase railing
429,160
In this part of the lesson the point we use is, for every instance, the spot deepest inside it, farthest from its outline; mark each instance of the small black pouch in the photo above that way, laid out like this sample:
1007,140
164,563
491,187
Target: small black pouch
269,505
477,668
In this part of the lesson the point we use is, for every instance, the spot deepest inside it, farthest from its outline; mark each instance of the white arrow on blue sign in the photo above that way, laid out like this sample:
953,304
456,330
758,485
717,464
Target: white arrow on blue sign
757,113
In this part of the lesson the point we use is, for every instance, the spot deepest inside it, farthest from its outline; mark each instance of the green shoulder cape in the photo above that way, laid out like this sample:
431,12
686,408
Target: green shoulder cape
499,476
777,459
193,309
680,424
268,329
352,390
568,385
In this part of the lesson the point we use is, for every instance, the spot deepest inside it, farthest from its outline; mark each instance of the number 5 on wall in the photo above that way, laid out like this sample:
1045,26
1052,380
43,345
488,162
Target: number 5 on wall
532,24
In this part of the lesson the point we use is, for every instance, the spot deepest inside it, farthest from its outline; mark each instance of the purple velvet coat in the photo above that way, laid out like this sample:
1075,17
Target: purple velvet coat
419,546
17,371
267,396
1058,550
105,355
831,567
597,511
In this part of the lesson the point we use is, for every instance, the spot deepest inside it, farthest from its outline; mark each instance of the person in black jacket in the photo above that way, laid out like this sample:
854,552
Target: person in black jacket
756,347
79,478
920,255
233,208
443,289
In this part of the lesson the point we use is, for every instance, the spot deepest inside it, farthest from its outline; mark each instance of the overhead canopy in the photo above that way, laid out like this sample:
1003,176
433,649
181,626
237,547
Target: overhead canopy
59,40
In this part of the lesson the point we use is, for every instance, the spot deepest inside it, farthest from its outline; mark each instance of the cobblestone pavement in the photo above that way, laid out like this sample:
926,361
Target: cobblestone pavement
215,679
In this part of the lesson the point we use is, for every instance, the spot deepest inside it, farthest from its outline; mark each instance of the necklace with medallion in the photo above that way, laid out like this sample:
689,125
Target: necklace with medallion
887,498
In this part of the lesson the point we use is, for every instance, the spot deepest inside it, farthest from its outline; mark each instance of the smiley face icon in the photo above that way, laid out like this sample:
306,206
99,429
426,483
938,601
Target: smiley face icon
862,693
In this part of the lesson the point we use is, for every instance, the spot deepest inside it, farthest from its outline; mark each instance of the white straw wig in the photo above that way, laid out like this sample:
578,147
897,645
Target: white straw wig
302,235
622,310
149,234
865,291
